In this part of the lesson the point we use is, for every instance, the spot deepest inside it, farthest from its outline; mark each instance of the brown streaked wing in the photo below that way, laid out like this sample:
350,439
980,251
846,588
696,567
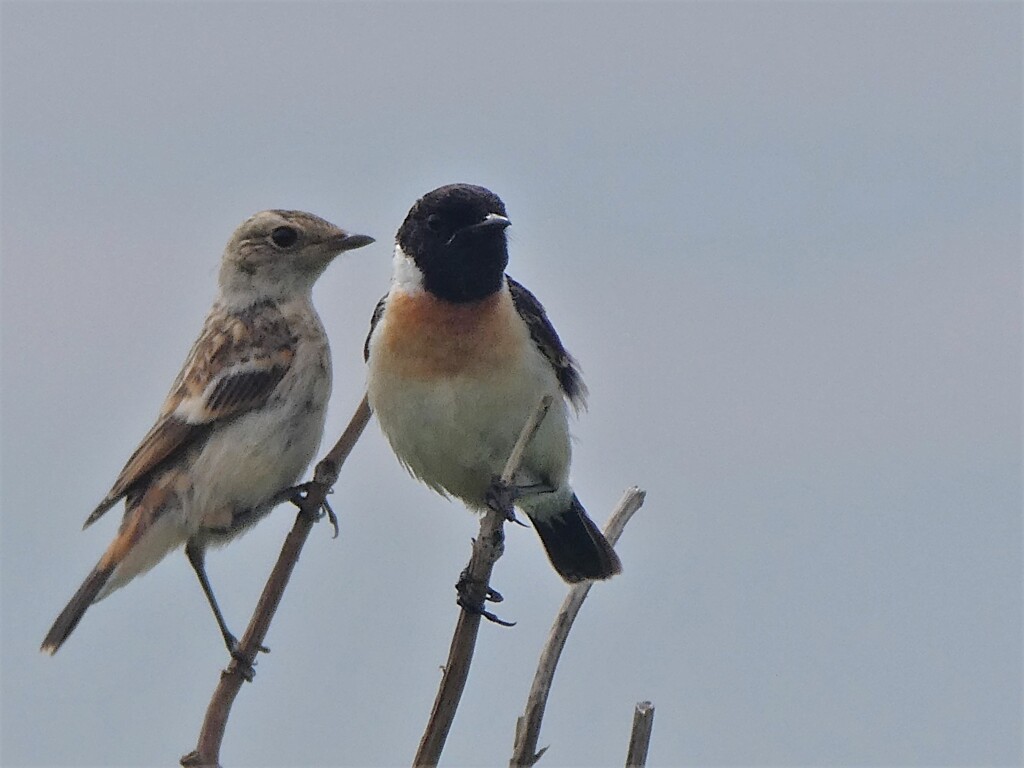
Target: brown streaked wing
233,367
546,338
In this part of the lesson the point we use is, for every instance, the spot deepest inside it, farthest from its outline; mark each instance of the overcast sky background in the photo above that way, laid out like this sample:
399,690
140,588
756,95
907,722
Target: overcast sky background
784,242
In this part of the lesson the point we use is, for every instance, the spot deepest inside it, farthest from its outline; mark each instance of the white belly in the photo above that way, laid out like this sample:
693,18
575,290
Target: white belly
456,433
250,460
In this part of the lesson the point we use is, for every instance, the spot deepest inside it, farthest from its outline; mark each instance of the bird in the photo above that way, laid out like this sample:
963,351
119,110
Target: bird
459,355
242,421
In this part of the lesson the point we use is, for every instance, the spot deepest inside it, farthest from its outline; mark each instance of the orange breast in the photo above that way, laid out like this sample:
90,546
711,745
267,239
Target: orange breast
425,337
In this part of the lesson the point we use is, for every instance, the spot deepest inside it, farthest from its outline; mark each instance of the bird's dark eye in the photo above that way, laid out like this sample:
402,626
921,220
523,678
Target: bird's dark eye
284,237
434,223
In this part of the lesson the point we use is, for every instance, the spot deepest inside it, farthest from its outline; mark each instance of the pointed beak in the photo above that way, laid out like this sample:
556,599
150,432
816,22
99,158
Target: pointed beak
491,221
349,242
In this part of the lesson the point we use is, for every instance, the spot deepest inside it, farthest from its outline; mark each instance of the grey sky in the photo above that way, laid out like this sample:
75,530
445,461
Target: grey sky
783,240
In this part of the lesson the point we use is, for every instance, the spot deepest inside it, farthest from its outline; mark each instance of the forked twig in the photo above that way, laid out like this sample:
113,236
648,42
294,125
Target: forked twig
487,548
207,751
524,751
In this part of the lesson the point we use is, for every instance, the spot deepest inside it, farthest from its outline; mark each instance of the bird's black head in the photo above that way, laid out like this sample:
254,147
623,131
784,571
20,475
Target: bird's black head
456,236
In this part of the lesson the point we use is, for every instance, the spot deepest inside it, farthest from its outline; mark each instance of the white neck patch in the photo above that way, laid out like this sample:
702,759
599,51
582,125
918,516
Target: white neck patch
406,276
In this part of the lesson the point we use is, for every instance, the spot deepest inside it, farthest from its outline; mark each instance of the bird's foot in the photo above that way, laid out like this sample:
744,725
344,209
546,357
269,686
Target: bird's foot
246,666
472,596
501,497
297,494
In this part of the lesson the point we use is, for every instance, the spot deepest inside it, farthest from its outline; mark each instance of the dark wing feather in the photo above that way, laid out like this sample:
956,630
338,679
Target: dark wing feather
233,367
378,311
244,389
547,341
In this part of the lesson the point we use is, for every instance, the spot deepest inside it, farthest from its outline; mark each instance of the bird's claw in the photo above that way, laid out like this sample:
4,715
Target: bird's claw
299,493
491,617
331,517
472,604
246,667
500,497
493,595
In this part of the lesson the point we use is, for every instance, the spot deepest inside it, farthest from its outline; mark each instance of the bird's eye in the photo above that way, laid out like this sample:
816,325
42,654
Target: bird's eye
284,237
434,223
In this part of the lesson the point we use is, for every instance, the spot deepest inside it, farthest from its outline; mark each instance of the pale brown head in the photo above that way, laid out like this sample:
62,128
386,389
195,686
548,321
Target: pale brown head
279,254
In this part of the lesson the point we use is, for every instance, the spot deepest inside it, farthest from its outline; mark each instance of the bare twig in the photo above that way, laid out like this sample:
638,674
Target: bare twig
515,458
487,548
640,740
207,752
524,751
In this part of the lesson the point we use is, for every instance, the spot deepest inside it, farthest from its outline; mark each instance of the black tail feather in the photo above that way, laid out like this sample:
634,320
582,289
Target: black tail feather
75,609
575,545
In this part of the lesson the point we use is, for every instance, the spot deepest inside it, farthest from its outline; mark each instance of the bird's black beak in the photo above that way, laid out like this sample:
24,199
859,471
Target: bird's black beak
491,221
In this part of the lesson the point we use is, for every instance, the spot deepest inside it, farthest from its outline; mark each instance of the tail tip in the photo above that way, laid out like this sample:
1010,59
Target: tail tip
72,614
576,547
609,566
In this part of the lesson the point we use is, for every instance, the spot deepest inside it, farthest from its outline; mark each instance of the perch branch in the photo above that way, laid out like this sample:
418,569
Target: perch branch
487,548
640,739
524,751
207,751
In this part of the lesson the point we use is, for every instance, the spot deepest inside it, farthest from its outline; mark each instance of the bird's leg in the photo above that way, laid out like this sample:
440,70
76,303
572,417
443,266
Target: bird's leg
501,496
196,554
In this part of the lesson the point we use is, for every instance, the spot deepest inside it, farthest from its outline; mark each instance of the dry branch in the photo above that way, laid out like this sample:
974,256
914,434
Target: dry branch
207,751
524,751
640,739
487,548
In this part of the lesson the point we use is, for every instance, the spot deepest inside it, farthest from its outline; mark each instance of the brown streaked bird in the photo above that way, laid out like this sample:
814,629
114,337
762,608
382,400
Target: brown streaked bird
242,421
460,355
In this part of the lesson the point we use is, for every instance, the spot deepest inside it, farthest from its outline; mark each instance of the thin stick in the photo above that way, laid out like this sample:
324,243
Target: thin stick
524,751
640,740
529,430
207,751
487,548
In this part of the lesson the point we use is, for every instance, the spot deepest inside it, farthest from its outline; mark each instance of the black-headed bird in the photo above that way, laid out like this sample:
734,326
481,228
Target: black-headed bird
460,355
